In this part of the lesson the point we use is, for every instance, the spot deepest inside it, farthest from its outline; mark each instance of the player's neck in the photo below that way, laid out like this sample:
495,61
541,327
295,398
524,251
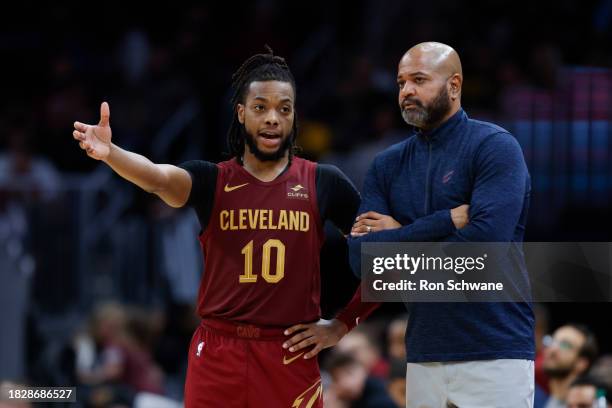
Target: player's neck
264,170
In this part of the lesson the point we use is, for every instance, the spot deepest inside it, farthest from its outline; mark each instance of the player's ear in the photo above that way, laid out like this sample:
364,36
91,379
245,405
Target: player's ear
240,112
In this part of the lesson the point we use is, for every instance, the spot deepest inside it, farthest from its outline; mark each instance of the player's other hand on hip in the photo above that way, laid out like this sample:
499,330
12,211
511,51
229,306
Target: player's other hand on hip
460,216
95,139
372,221
318,335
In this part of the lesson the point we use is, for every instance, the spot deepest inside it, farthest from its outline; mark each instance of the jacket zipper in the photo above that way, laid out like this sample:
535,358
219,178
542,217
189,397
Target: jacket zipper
427,178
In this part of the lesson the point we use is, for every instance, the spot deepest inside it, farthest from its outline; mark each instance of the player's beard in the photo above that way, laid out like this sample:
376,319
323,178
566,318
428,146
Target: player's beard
262,156
427,116
558,372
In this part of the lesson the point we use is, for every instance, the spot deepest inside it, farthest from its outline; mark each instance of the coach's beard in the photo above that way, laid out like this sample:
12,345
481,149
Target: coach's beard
262,156
427,117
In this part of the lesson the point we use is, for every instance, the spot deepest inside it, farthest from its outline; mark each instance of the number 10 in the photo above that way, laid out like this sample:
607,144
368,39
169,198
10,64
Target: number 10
247,251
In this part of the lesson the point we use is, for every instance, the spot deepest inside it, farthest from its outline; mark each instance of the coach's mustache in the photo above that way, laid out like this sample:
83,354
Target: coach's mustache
412,101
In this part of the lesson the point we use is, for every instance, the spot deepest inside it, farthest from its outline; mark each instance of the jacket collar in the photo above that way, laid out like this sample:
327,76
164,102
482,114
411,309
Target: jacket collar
445,129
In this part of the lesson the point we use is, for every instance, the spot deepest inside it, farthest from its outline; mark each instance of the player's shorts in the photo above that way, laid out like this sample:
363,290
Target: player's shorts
233,365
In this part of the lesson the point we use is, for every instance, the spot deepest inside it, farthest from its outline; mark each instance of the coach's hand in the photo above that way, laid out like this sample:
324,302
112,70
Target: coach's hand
321,335
372,221
95,139
460,216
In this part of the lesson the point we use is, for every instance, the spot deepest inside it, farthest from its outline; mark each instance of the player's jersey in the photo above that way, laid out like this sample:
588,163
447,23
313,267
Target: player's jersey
261,247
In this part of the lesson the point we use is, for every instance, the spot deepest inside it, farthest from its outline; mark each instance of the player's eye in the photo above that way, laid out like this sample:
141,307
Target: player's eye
419,80
286,109
258,108
400,84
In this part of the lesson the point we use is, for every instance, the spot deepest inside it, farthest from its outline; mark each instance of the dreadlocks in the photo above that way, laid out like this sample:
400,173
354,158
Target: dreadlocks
259,67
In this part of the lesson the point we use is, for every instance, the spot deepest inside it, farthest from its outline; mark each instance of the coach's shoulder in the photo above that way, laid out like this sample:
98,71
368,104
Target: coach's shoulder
488,133
485,128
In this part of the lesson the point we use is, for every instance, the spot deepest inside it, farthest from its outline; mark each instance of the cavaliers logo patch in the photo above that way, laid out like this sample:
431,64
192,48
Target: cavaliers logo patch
297,191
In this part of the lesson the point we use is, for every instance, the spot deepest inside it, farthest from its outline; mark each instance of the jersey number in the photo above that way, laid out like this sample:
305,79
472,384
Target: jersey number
279,273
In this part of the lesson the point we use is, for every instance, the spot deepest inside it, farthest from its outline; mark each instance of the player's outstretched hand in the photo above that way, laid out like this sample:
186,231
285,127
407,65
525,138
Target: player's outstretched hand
95,139
372,221
321,335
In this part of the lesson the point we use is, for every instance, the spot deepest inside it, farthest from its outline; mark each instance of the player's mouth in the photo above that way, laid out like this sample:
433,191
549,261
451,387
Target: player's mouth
270,139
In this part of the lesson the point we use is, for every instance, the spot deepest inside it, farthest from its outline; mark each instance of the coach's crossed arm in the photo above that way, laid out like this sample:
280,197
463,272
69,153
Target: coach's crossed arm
172,184
374,225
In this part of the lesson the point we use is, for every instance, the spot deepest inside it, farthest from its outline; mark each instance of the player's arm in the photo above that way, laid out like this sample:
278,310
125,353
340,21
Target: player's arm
327,333
338,203
172,184
343,202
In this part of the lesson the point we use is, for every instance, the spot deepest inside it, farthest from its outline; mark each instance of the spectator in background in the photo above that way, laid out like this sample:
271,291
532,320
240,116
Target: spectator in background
541,329
352,386
396,349
361,344
385,133
569,354
26,176
124,371
602,370
586,392
395,338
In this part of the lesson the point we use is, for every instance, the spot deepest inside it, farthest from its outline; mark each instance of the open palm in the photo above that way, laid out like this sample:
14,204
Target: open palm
95,139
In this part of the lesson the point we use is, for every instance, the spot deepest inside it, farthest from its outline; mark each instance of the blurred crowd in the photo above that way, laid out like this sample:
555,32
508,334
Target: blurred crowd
73,236
124,356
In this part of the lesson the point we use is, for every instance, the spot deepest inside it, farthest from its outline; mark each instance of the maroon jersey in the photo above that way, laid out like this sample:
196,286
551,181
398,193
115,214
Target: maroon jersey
261,247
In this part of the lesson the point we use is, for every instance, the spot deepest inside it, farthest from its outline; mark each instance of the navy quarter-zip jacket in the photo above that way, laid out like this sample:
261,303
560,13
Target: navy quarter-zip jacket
417,182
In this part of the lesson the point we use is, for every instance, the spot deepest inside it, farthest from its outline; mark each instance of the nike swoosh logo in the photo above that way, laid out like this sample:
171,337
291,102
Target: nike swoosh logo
227,188
292,359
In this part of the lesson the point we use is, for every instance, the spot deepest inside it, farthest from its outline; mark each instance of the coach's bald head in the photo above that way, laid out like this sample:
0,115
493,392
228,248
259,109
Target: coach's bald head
429,79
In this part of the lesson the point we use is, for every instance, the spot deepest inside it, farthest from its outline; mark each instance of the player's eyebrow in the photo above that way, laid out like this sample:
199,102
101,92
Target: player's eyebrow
264,99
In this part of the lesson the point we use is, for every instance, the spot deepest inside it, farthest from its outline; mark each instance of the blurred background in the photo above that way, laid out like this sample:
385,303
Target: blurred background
98,279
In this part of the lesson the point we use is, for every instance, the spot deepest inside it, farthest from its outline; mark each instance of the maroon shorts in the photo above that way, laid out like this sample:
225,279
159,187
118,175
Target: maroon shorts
232,365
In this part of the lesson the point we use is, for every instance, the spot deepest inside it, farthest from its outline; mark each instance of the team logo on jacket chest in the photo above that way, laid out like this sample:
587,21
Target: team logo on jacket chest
447,176
297,191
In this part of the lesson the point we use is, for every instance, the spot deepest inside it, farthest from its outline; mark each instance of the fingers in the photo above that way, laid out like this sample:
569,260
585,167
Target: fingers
365,227
302,344
86,146
78,135
312,353
463,207
104,114
367,223
81,127
370,214
296,339
295,328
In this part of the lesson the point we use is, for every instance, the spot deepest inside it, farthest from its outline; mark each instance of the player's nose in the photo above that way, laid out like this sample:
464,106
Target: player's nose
272,118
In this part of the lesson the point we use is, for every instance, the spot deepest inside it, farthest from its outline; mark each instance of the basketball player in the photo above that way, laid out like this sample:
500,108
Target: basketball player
262,215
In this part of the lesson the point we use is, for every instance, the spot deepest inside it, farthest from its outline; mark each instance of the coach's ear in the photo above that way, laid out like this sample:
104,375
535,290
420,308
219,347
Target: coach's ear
240,112
455,82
